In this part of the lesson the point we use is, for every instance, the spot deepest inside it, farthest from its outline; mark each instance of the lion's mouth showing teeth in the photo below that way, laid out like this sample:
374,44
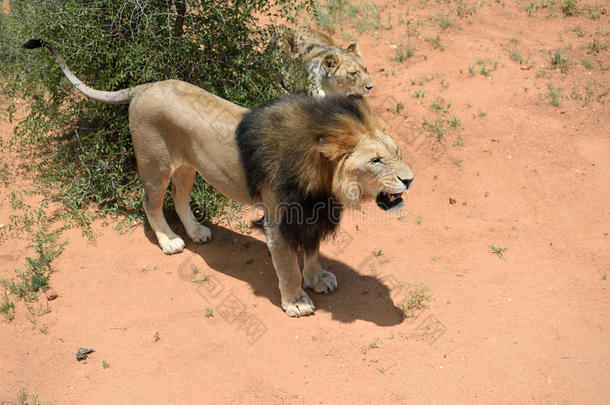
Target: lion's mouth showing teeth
385,201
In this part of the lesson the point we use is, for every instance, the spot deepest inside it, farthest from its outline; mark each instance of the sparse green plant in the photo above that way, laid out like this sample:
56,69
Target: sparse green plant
594,14
416,297
7,308
209,313
440,105
515,55
373,345
377,252
498,251
435,42
569,7
437,127
458,162
596,46
587,64
34,276
412,30
464,10
364,15
560,61
554,94
399,107
105,364
420,93
156,337
604,276
471,70
403,52
454,122
541,72
459,141
444,21
530,8
579,32
23,398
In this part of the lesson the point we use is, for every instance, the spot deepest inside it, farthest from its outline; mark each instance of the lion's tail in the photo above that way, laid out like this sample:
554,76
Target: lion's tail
108,97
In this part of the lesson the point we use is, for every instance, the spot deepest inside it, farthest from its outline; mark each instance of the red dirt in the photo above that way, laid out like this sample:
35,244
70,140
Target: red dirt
532,327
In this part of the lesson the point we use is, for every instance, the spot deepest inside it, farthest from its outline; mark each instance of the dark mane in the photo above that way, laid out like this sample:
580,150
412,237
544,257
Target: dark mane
281,144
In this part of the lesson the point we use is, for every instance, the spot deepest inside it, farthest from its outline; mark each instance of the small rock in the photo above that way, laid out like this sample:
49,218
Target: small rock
82,353
525,67
452,201
51,295
365,291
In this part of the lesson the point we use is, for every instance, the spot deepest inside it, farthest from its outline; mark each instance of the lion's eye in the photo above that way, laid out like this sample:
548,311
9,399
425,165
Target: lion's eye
376,160
353,73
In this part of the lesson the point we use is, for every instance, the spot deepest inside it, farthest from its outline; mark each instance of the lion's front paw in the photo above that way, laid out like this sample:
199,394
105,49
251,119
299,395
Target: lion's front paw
322,282
301,305
171,246
201,234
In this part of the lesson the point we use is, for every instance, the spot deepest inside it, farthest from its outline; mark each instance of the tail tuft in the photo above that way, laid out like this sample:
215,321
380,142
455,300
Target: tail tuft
33,44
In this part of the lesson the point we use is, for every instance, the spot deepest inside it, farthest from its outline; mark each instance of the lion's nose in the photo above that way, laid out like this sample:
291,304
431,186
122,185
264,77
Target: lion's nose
406,182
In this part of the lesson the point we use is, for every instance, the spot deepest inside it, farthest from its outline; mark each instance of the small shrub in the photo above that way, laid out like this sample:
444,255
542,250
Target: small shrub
560,61
7,308
444,21
416,297
435,42
596,46
553,95
81,150
402,53
498,251
568,7
436,127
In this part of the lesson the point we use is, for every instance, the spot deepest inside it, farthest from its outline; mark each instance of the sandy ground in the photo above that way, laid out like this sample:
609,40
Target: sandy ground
533,327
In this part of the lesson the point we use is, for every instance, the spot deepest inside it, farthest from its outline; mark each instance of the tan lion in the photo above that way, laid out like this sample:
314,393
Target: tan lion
300,158
331,70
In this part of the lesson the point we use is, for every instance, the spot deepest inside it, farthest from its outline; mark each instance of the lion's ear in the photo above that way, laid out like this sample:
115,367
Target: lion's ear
329,62
354,48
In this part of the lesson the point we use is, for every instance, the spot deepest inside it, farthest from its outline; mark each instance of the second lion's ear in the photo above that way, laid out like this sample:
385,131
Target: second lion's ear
329,62
354,48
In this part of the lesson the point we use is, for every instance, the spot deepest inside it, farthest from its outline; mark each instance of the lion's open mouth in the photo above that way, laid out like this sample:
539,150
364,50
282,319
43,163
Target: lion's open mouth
386,201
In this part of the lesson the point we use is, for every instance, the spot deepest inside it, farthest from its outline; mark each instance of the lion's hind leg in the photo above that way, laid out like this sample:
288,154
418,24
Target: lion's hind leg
155,184
183,179
314,276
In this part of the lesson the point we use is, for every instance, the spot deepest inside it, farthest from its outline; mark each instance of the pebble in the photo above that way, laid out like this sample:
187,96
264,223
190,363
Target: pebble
51,295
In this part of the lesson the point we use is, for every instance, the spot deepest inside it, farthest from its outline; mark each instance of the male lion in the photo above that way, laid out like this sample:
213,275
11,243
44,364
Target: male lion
315,155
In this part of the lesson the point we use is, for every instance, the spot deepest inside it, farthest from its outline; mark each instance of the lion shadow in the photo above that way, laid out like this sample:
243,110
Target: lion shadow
359,296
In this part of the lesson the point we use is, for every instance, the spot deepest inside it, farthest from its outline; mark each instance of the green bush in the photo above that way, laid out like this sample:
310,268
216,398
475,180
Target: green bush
80,150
